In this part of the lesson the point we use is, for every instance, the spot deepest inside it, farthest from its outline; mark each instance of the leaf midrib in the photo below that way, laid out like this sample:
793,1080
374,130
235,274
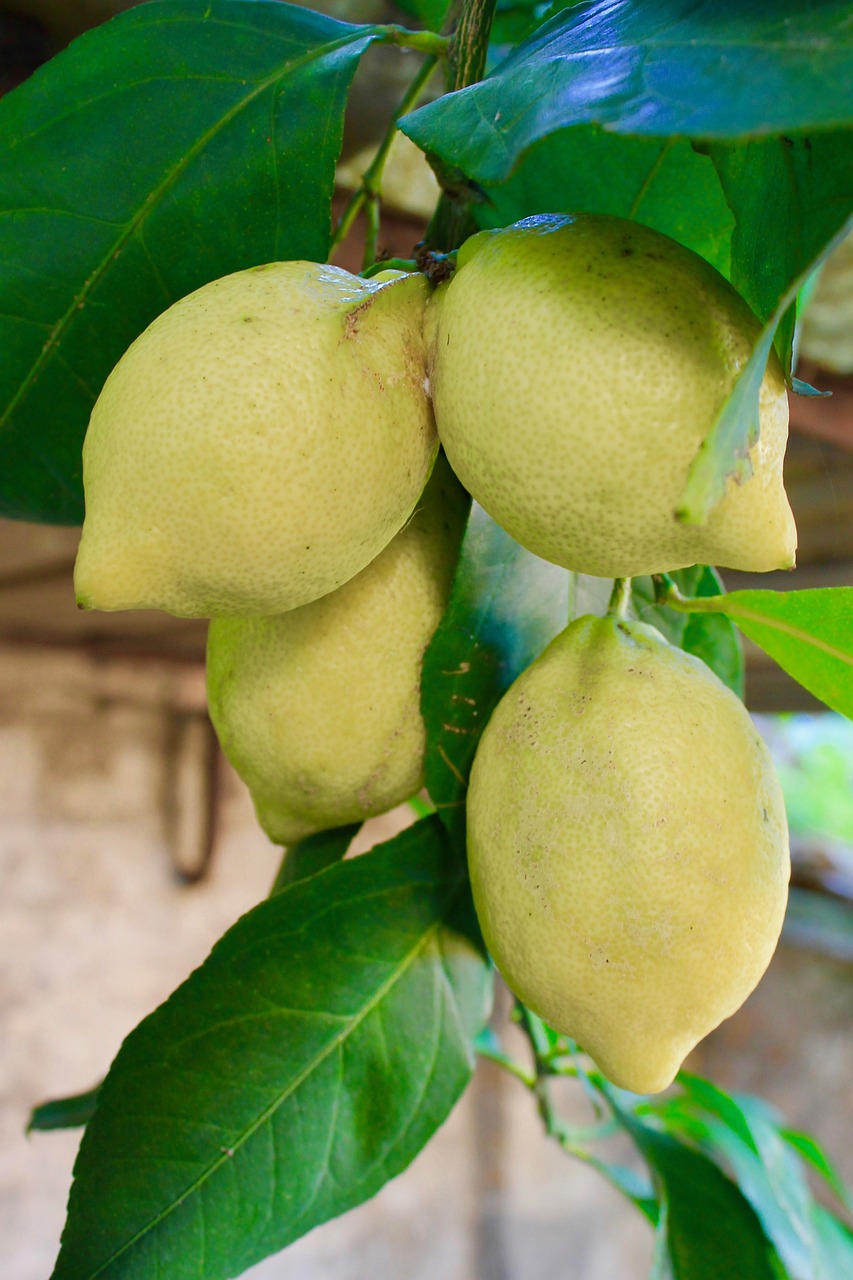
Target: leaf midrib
289,68
797,633
352,1026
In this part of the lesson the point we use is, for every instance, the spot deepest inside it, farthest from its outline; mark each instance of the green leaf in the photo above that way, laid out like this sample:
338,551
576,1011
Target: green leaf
430,12
314,854
707,1229
515,19
682,68
810,1150
664,183
743,1134
177,143
808,633
711,637
64,1113
811,179
778,241
835,1243
304,1064
505,606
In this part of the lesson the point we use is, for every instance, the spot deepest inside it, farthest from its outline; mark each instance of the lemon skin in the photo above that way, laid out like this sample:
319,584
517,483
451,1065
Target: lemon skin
318,709
628,847
577,364
258,445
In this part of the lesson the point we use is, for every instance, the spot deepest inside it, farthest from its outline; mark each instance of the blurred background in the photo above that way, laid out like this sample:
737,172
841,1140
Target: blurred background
127,846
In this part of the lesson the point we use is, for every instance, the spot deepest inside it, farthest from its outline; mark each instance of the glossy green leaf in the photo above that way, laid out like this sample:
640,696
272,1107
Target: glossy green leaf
709,636
64,1113
664,183
810,1150
182,141
304,1064
776,245
314,854
743,1134
647,71
809,633
515,19
430,12
777,241
708,1231
745,1137
505,606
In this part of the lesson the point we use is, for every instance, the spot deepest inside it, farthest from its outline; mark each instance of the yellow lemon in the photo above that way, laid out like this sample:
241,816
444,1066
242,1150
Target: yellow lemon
319,709
258,445
577,365
628,847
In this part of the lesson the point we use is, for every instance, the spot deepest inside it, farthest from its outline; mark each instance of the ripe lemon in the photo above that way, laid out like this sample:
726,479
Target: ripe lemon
628,847
318,709
577,364
258,445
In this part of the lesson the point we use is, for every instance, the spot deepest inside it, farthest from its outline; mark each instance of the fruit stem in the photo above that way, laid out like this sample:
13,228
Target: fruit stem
452,223
620,599
549,1062
469,43
389,264
428,42
369,193
666,592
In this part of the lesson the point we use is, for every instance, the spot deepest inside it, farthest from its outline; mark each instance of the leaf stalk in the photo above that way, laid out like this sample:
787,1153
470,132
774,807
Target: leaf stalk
452,223
369,193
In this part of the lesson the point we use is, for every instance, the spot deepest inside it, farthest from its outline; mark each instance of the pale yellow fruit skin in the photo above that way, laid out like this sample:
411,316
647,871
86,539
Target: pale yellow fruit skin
628,847
319,709
576,366
258,445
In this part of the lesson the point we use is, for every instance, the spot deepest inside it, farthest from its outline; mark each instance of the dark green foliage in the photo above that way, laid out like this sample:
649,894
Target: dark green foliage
178,143
306,1062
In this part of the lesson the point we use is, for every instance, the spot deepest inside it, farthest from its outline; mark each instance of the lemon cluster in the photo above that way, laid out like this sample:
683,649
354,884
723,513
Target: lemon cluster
264,455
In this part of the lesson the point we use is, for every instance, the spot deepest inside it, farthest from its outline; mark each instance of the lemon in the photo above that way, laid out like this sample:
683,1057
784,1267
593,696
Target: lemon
628,847
318,709
258,445
577,364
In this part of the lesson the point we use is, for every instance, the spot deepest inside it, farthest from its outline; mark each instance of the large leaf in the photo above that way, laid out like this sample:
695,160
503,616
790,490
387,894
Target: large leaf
664,183
179,142
506,604
305,1063
745,1137
707,1229
742,1133
775,247
809,634
708,69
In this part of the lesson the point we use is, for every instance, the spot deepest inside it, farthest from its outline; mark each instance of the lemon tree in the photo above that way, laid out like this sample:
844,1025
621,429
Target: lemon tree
263,426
